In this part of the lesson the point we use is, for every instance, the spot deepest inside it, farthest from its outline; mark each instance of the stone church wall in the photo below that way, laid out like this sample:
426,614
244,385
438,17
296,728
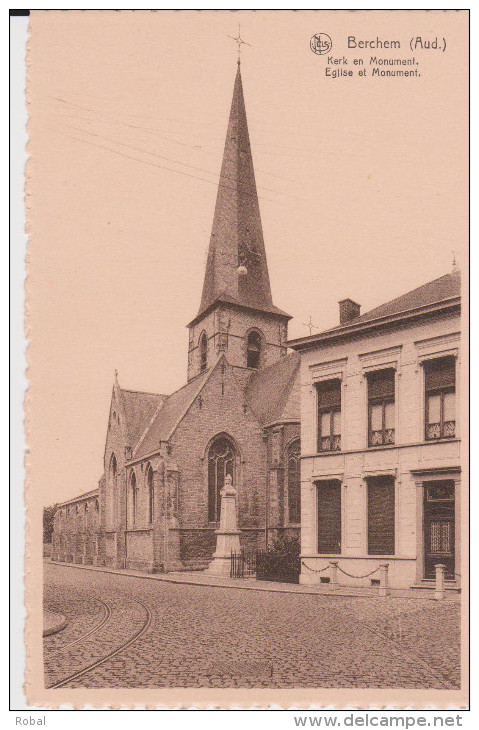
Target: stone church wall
114,553
227,330
219,410
280,437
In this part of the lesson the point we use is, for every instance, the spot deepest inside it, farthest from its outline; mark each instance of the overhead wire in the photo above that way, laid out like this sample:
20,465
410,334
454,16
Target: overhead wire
169,169
161,134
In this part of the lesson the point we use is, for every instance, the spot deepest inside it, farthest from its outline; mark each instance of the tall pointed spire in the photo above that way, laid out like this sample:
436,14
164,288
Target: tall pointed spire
236,268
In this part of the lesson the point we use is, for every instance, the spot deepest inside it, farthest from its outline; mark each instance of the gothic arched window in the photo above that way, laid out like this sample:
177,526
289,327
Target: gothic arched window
203,351
111,491
133,497
221,462
253,351
293,465
151,494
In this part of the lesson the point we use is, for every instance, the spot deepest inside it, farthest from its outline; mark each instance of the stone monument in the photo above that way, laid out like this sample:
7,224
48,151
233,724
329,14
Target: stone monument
227,540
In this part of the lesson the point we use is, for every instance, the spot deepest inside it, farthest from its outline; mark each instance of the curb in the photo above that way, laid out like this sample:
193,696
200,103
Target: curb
166,578
55,623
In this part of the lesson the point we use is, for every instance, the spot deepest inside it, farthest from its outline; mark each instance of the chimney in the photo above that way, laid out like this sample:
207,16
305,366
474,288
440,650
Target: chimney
348,310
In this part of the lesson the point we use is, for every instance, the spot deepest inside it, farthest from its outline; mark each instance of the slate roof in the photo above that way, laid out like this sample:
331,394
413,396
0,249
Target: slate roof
139,408
237,234
274,393
169,412
438,290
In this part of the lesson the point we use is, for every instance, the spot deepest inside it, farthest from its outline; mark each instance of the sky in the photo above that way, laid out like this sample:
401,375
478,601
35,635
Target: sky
362,186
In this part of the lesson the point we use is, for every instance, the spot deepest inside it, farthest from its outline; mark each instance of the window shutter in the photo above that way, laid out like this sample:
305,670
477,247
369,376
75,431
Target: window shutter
440,373
381,516
329,394
381,384
329,517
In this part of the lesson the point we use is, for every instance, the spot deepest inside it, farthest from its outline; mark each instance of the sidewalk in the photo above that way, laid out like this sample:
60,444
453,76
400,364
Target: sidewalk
199,578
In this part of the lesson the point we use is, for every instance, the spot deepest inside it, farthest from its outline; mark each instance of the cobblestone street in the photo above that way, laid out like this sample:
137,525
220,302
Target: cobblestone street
131,632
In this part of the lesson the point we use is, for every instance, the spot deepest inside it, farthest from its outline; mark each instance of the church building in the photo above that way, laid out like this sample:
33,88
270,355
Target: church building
167,456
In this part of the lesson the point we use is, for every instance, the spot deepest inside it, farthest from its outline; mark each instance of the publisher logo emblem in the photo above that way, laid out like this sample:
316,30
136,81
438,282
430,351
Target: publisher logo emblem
321,43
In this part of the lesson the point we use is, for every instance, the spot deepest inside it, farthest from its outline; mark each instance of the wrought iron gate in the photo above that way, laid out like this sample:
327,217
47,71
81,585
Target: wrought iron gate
243,564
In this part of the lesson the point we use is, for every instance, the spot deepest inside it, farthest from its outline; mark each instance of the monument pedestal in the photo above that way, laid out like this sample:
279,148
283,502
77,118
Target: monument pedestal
228,535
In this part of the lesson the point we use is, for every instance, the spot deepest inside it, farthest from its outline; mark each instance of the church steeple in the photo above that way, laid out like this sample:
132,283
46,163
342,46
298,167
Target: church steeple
236,268
237,314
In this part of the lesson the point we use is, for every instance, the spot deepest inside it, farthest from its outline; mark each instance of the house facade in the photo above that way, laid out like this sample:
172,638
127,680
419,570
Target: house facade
380,440
166,457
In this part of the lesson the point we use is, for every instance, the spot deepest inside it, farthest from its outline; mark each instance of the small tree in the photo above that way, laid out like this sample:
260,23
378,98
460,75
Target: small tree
288,547
48,515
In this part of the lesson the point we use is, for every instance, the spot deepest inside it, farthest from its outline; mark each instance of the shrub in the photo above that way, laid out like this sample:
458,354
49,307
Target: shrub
281,562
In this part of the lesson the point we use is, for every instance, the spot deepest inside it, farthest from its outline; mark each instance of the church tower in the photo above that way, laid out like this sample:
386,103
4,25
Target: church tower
237,315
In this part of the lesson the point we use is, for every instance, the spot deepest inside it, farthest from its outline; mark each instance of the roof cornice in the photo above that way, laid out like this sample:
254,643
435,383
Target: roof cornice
352,330
80,498
236,305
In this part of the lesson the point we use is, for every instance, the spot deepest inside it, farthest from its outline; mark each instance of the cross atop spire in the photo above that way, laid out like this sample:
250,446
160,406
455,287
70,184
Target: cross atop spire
239,42
236,268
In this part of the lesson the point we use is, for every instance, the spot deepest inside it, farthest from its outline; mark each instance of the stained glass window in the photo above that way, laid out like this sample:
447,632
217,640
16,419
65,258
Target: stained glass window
151,494
134,498
111,492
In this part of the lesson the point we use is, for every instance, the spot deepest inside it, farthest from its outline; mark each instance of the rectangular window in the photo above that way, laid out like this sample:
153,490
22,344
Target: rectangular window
381,516
381,407
329,517
329,415
440,381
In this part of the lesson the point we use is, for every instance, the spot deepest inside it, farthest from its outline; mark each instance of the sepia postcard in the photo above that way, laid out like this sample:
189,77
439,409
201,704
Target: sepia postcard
247,415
